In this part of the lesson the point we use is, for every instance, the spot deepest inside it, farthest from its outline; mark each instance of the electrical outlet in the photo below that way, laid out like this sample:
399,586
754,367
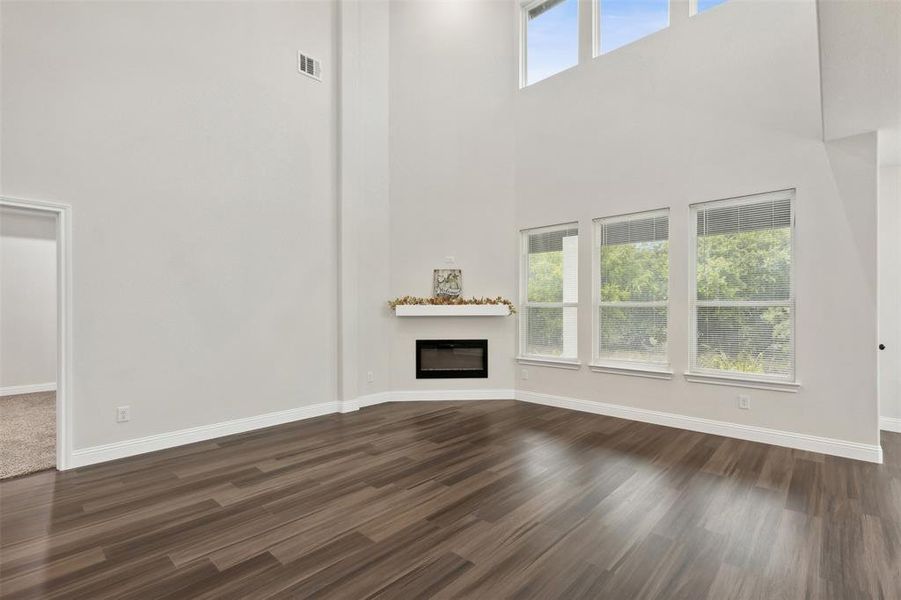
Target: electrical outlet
450,260
524,373
370,376
123,414
744,402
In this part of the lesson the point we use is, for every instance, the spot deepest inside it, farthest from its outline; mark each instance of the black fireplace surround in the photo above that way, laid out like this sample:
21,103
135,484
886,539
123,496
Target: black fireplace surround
451,359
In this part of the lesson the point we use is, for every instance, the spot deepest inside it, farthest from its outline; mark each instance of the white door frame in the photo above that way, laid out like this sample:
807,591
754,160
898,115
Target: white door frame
63,213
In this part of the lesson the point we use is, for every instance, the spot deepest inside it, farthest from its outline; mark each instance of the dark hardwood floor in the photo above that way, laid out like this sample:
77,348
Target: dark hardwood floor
459,500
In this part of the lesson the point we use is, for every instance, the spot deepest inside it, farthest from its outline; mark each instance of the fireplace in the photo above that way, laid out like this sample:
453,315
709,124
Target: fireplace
451,359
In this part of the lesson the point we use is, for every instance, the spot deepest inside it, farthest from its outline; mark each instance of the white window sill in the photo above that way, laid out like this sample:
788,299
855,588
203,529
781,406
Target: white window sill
558,363
747,382
635,370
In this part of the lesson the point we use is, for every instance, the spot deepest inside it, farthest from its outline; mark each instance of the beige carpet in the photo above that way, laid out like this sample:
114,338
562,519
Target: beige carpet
27,433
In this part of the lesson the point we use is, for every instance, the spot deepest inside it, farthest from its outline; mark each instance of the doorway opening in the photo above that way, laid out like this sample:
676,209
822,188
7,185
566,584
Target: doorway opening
34,336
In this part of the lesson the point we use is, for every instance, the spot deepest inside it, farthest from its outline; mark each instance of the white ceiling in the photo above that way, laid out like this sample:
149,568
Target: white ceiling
860,62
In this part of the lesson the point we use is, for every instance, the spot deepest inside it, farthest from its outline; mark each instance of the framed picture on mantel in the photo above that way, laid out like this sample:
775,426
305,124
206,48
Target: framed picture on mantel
447,283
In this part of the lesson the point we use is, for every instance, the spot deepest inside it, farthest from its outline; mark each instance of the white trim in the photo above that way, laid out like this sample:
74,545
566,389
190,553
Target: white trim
637,370
434,396
524,7
524,303
783,194
789,439
349,406
625,217
442,395
523,43
372,399
790,194
597,304
116,450
558,363
97,454
549,228
452,310
64,398
747,382
15,390
890,424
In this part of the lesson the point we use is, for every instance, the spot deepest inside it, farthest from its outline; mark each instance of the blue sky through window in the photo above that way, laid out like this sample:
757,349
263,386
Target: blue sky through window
624,21
552,41
708,4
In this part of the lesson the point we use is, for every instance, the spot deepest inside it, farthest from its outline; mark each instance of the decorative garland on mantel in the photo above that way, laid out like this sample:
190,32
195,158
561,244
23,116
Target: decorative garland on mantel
449,301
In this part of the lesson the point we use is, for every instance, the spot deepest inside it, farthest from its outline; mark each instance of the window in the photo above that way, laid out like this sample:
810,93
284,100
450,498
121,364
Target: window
550,38
700,6
743,305
550,292
621,22
631,288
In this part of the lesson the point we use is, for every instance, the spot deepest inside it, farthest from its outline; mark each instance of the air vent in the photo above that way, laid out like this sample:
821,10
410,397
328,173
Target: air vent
309,66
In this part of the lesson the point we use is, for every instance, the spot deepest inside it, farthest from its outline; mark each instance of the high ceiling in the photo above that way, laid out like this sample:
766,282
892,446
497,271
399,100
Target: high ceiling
860,62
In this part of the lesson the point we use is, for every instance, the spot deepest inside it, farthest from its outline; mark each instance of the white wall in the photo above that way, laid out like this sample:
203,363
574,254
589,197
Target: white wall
890,293
27,299
366,320
452,78
213,229
200,166
720,105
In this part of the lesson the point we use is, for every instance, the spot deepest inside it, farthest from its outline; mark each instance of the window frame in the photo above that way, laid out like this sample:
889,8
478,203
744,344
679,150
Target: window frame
660,369
524,304
702,375
524,7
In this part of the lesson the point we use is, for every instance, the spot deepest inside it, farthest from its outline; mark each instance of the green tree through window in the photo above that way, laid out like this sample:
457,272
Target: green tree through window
744,297
634,277
551,294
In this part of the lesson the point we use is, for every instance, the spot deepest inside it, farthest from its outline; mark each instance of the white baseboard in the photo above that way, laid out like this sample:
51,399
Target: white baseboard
439,395
373,399
97,454
890,424
434,396
776,437
867,452
15,390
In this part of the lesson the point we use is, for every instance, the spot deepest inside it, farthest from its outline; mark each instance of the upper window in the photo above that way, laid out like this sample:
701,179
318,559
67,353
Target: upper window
631,288
743,305
702,5
550,38
550,292
621,22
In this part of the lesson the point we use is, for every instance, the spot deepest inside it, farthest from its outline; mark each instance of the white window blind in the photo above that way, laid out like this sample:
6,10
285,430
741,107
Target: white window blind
550,290
631,289
743,304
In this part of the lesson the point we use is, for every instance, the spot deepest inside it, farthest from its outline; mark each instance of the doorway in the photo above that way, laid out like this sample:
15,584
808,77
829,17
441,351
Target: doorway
35,349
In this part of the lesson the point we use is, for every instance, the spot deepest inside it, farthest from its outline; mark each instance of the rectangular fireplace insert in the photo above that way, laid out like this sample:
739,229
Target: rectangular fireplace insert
451,359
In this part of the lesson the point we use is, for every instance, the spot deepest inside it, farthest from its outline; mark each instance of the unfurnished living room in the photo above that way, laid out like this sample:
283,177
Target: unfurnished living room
482,299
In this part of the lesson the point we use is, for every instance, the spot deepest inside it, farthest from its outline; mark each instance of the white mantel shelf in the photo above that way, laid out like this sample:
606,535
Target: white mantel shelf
452,310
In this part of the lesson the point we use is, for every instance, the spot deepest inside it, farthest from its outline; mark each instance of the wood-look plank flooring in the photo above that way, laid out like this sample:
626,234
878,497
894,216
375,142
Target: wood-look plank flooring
479,500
